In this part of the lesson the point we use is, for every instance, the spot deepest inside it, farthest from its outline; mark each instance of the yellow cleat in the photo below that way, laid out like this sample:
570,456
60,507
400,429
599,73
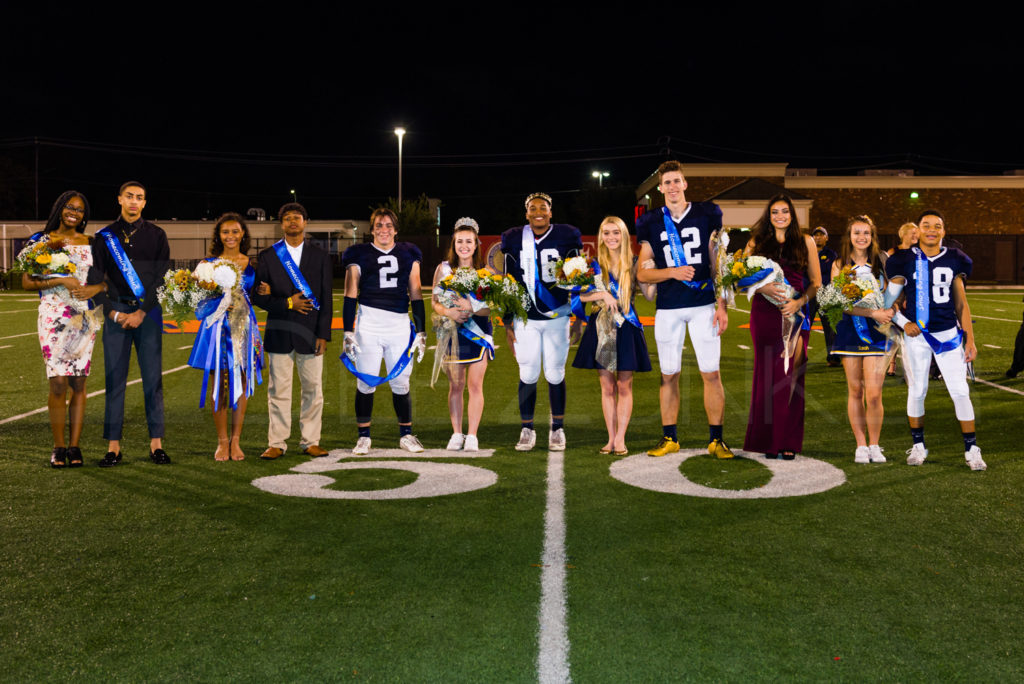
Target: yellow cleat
720,449
665,446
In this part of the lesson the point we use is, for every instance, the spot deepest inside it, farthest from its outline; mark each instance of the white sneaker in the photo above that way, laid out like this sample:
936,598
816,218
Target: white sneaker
556,440
362,446
917,454
974,458
876,454
527,439
862,455
471,443
456,442
410,443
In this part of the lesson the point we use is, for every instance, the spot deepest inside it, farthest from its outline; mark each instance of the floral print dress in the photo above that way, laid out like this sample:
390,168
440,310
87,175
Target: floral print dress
67,327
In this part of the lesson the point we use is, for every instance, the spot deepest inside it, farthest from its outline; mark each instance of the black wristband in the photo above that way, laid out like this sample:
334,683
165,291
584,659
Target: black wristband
419,315
348,314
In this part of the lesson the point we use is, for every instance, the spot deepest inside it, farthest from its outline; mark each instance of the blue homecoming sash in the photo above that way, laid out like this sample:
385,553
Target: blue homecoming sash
613,287
536,287
475,334
922,301
396,370
294,273
123,263
675,246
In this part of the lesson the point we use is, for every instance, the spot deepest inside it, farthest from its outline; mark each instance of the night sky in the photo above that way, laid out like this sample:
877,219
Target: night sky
220,112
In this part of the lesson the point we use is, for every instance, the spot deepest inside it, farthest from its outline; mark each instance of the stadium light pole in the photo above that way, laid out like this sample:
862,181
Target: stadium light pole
294,196
600,176
400,132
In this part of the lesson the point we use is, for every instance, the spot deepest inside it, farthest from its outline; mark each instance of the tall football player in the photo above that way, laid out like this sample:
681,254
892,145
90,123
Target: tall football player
382,280
543,339
675,253
936,301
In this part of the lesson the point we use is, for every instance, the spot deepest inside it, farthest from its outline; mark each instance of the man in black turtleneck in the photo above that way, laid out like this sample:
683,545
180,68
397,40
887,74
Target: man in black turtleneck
134,255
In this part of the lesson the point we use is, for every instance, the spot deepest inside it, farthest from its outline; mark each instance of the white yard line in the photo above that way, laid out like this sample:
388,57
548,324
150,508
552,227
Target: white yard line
991,346
11,337
989,318
998,386
553,637
19,311
90,395
7,346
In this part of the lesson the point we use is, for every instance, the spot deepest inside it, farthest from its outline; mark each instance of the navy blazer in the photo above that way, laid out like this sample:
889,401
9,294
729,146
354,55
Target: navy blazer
288,330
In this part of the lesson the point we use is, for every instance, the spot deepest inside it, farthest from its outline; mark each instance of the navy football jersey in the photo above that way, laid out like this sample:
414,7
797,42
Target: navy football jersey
943,268
695,229
559,242
383,276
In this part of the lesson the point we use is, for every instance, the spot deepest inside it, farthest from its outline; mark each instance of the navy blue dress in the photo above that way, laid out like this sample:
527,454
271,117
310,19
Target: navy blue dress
848,343
630,347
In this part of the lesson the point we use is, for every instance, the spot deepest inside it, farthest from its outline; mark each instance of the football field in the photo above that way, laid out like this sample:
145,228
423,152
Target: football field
514,567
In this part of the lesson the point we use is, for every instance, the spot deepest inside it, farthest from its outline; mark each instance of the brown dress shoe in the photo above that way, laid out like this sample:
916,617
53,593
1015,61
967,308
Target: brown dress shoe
315,451
271,453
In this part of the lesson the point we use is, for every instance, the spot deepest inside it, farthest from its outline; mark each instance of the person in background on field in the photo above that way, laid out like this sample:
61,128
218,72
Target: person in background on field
614,343
67,325
936,321
472,338
862,347
133,254
826,257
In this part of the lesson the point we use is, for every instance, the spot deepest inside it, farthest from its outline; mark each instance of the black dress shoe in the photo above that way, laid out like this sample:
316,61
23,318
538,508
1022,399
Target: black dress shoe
159,457
75,459
59,457
110,460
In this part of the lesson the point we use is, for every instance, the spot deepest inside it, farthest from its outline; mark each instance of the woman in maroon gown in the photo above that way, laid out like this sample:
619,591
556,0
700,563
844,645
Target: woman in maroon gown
776,424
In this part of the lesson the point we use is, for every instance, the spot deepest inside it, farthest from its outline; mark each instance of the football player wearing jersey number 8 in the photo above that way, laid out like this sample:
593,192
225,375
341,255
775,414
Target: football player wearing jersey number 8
543,339
936,301
675,253
382,280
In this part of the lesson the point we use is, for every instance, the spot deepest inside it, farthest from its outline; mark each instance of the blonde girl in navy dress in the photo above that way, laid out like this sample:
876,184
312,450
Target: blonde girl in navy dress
863,361
615,352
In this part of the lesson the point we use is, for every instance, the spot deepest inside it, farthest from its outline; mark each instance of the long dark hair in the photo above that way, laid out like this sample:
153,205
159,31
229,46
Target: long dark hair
217,247
53,223
874,253
793,250
453,260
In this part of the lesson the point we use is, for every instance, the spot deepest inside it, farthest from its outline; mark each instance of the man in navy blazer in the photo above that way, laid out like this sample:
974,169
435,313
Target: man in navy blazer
295,279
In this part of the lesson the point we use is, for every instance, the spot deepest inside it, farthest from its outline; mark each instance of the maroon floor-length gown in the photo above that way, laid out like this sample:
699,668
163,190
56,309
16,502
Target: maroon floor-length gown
776,421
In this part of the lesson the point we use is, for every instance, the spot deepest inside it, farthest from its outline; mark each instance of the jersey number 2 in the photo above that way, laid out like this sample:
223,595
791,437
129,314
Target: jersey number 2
388,267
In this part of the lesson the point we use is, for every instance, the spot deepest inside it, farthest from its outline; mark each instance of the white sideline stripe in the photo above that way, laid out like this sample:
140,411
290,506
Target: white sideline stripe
553,637
89,395
998,386
990,318
11,337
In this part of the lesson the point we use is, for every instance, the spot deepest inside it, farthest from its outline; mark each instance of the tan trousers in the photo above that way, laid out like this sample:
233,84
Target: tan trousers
279,398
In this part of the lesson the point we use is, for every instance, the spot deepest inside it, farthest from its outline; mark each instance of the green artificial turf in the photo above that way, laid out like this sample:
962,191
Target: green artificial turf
152,573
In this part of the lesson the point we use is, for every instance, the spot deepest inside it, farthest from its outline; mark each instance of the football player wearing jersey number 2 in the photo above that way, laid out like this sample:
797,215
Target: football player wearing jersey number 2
382,280
936,320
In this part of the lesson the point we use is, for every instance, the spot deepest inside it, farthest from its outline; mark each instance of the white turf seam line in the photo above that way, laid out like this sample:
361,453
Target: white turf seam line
998,386
553,637
89,395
